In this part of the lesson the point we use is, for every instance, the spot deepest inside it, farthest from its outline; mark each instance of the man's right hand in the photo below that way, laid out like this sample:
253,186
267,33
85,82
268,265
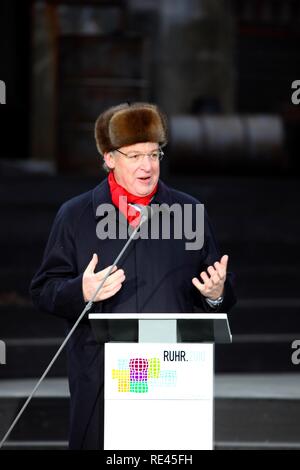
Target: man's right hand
91,281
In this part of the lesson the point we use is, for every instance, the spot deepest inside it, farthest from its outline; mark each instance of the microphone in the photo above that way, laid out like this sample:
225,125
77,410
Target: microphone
145,215
145,211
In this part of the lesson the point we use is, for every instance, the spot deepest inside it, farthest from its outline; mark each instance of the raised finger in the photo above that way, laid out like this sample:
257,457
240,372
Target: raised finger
208,283
101,274
211,270
220,270
216,279
198,284
114,284
224,261
116,276
92,264
107,293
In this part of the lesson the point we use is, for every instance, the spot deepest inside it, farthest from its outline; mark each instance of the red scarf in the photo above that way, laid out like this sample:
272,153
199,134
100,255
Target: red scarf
119,195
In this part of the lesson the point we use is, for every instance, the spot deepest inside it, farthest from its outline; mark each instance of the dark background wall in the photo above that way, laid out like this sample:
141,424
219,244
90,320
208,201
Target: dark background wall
15,71
222,71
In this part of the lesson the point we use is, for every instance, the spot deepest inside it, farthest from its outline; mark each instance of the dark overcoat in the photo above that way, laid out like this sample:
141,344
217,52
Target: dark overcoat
158,279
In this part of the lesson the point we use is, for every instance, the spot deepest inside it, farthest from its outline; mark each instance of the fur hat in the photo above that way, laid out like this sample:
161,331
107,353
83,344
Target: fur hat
128,124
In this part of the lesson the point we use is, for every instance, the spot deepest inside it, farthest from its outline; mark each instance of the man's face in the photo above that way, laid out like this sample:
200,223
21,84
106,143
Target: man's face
138,176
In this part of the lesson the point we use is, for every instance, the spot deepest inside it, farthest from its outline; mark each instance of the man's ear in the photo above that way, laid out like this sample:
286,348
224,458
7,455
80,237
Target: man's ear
109,160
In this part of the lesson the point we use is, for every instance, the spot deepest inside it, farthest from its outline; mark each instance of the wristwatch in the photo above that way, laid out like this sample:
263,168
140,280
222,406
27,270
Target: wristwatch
214,303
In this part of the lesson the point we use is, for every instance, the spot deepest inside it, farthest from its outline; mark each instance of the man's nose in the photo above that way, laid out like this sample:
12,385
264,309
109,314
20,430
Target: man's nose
146,163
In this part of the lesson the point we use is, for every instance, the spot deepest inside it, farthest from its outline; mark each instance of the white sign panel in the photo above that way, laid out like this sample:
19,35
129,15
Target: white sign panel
158,396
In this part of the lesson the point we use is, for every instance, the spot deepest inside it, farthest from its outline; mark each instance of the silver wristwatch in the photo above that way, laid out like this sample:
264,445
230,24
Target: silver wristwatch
214,303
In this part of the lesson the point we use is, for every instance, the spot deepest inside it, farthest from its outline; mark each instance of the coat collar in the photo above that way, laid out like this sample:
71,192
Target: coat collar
101,195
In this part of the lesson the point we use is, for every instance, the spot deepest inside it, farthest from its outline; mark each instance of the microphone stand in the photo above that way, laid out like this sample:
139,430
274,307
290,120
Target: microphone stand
144,216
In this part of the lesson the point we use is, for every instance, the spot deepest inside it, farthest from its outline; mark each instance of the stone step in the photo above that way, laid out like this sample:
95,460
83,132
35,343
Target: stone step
46,417
27,357
263,332
252,411
36,445
248,353
218,445
221,445
257,411
24,321
256,354
260,284
265,316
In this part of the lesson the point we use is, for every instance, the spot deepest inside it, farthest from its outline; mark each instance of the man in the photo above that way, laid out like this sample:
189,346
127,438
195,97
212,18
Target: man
154,275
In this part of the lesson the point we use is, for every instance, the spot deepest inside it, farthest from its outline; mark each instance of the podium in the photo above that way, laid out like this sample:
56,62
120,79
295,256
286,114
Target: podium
159,378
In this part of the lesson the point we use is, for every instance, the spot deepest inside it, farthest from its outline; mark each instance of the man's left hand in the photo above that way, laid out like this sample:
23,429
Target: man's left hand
212,286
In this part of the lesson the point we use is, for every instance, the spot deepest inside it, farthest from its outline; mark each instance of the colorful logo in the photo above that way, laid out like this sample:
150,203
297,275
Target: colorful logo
138,374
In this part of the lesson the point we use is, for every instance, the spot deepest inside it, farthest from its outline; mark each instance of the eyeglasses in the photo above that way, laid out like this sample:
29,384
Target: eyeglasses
155,156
